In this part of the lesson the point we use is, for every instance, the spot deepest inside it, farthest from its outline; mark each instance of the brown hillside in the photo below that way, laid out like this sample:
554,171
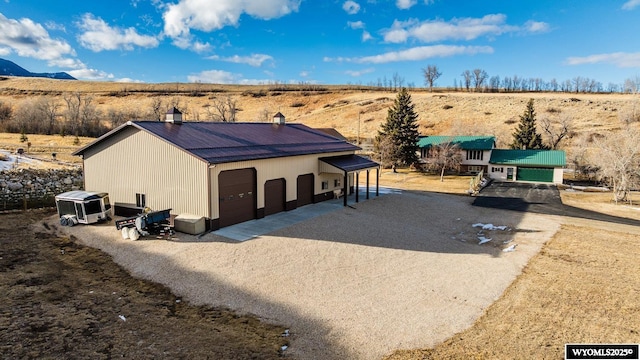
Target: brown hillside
340,107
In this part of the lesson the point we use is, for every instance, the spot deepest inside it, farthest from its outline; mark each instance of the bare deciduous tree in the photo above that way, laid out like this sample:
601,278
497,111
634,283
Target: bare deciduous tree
445,156
158,108
618,157
222,110
556,130
431,74
479,78
467,76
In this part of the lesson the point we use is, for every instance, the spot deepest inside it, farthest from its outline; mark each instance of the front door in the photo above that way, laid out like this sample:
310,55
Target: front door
510,173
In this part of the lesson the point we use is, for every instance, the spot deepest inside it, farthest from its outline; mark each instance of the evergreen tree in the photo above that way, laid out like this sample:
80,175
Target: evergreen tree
526,136
401,129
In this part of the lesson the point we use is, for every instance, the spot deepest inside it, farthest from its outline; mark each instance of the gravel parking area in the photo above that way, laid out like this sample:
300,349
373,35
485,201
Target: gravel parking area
398,271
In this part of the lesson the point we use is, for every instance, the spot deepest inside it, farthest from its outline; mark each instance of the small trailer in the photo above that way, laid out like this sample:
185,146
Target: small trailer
153,222
84,207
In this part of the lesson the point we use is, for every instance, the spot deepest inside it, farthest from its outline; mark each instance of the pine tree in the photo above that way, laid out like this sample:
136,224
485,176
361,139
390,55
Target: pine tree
402,129
526,136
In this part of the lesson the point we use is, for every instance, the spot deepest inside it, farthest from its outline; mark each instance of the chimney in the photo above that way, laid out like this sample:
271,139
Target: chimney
278,119
174,116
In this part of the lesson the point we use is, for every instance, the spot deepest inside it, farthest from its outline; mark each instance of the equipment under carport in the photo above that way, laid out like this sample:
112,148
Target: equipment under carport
154,222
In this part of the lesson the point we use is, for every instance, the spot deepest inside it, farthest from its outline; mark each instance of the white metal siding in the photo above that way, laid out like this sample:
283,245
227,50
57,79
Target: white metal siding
134,161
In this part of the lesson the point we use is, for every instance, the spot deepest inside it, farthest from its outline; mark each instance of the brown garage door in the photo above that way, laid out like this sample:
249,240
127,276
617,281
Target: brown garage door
305,189
274,196
237,201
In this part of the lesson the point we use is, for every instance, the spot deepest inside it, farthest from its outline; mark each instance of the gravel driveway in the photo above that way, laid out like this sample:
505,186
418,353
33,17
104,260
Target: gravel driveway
398,271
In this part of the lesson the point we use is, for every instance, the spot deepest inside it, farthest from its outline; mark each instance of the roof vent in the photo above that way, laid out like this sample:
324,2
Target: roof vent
278,119
174,116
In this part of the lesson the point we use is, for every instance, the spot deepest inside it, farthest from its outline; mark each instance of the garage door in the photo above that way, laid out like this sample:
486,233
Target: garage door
237,201
305,189
274,196
534,174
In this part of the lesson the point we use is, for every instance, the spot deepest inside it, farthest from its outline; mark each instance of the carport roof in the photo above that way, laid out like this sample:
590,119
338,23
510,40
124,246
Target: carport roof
544,158
463,142
216,142
350,163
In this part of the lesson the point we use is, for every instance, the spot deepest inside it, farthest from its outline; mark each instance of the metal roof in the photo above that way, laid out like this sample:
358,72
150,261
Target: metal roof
543,158
220,142
463,142
350,163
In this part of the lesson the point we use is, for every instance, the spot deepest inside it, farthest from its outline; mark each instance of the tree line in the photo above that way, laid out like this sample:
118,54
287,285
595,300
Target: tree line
478,80
77,114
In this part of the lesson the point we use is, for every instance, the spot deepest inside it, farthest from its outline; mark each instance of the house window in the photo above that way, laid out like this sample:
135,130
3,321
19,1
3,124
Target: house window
141,200
325,185
474,154
497,169
475,169
336,182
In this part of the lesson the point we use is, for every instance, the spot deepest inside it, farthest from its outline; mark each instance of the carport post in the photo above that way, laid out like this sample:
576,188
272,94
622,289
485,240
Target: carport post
346,187
367,184
378,181
357,182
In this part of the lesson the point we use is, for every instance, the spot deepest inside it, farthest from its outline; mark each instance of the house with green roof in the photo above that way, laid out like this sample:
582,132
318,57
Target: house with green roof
478,153
475,151
527,165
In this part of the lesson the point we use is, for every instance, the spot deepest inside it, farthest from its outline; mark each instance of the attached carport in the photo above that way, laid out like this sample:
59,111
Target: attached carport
529,165
353,164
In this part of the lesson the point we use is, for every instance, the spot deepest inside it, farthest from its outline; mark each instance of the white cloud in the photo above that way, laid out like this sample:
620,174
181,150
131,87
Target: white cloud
214,77
51,25
200,47
304,74
631,4
456,29
535,26
67,63
129,80
416,54
28,39
405,4
351,7
366,36
619,59
357,73
208,15
255,60
355,24
4,51
90,74
99,36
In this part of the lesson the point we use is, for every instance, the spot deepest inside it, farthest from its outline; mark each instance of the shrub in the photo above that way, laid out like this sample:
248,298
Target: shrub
447,107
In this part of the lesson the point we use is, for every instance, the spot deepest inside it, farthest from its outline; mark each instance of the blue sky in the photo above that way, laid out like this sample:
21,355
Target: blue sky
322,41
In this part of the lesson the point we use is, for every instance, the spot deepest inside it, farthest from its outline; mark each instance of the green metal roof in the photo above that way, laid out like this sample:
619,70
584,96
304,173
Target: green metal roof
543,158
463,142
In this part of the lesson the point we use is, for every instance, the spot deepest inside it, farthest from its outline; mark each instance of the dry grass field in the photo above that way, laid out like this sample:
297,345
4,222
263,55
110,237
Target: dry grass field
353,111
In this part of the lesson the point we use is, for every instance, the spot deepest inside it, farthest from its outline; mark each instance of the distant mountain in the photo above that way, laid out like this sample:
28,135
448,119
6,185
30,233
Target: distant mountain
10,68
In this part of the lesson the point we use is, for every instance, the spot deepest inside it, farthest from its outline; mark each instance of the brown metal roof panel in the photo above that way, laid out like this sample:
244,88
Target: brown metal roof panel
222,155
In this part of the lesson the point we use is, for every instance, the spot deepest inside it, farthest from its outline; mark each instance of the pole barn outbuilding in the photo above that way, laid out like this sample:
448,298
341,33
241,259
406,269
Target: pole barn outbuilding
225,172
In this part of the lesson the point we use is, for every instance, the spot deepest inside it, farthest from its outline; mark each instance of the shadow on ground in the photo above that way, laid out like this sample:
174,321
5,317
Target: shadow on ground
540,199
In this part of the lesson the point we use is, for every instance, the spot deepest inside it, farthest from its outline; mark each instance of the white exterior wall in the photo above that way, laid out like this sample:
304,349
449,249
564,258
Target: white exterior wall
501,175
558,175
134,161
288,168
